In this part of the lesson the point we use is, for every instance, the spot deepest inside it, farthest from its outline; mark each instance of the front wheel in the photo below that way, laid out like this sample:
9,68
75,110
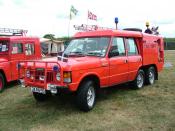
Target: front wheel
86,96
139,80
2,82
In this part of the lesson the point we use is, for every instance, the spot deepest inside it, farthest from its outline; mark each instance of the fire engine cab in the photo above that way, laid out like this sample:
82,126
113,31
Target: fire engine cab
96,59
15,46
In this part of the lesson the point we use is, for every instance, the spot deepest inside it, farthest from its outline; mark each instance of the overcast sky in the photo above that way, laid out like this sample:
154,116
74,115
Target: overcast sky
52,16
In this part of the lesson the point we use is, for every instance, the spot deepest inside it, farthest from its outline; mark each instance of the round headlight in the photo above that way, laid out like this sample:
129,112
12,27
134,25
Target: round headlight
28,73
58,76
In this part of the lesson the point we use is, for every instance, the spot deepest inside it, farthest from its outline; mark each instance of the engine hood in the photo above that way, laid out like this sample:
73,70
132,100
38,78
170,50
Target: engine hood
77,63
82,63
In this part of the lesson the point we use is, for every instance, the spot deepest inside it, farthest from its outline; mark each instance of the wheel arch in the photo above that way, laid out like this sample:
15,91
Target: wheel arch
2,72
92,77
146,67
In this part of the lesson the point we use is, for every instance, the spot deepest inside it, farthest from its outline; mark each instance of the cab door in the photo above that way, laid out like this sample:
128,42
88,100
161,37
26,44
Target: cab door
17,54
118,68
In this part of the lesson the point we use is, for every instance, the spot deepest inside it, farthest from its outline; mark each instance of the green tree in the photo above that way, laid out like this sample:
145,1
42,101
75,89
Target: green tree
49,36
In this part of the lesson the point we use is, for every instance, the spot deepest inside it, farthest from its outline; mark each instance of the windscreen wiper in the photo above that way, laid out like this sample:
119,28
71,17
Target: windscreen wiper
94,54
77,53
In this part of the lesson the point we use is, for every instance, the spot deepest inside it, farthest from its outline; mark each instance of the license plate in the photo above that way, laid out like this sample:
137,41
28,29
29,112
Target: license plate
38,90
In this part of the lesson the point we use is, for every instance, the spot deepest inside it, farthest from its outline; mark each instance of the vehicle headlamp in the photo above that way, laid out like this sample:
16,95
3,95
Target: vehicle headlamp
58,76
27,73
67,77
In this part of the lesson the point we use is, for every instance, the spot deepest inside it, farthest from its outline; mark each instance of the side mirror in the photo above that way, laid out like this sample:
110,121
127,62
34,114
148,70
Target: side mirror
113,52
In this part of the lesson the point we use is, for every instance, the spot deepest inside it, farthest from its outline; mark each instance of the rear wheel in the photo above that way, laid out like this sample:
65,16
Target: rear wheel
2,82
150,76
86,95
41,97
139,80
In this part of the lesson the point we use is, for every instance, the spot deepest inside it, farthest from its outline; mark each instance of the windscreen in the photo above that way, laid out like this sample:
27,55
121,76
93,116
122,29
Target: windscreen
95,46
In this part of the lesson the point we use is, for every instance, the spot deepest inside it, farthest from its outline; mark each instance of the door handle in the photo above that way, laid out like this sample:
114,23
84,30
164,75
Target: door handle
104,64
126,61
140,59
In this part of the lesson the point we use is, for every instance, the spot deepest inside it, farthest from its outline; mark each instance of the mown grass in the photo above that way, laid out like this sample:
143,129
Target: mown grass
118,108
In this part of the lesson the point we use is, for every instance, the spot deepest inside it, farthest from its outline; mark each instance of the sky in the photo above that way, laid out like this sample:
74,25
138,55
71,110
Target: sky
41,17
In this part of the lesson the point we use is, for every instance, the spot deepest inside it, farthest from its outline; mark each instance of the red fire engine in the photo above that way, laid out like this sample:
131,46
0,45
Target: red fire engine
15,46
97,59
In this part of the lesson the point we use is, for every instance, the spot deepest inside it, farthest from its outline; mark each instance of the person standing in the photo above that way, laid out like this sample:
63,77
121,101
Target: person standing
148,30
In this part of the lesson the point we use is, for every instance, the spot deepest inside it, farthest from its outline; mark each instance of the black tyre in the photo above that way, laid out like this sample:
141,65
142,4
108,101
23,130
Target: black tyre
86,96
150,76
41,97
139,80
2,82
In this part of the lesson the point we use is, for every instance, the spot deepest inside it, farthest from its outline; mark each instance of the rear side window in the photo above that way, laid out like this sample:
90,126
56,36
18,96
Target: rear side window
132,47
17,48
29,49
118,46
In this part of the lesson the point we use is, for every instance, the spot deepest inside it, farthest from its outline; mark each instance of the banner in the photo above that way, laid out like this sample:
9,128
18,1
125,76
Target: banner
91,16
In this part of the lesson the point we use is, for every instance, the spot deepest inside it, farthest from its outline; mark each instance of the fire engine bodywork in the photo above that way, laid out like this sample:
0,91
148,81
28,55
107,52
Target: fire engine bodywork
9,60
151,52
105,71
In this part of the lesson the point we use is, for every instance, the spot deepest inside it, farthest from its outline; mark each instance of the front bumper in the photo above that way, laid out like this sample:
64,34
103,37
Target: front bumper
53,88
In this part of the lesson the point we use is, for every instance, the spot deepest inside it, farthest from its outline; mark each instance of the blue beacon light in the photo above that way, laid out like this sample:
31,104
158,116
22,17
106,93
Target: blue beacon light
116,20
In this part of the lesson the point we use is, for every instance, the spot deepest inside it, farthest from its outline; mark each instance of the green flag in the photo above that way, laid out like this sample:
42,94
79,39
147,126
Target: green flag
73,11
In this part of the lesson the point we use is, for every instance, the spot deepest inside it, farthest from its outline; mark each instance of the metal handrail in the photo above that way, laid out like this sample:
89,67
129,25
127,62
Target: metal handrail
13,32
34,64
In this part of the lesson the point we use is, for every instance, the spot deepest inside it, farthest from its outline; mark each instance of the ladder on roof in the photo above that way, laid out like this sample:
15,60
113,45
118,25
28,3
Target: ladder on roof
12,32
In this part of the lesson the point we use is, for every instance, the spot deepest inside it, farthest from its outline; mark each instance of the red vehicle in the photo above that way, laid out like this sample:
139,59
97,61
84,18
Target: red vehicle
94,60
13,48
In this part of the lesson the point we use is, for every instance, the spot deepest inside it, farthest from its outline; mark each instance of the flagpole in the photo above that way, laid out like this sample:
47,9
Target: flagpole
69,23
87,17
74,11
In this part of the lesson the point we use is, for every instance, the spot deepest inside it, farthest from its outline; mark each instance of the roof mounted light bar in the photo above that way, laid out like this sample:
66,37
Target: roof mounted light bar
12,32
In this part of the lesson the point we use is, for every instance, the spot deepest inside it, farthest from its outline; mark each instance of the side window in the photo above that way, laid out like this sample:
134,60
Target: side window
132,48
3,46
29,49
17,48
118,46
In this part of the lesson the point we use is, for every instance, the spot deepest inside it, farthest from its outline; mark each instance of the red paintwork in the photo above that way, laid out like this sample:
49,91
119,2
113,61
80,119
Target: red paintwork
109,71
9,61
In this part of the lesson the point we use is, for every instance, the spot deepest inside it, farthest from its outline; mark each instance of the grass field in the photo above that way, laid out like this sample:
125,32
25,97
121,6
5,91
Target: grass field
117,109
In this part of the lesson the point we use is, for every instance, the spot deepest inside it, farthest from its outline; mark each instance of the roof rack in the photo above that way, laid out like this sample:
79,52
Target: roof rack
133,29
12,32
85,27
